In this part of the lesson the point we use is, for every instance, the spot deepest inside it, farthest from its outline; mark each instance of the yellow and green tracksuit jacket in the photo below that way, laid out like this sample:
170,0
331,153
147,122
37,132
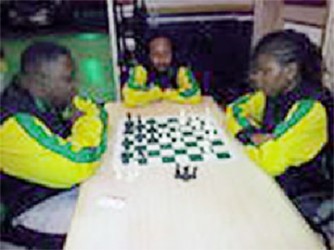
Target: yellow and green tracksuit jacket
39,146
300,122
136,91
187,91
144,85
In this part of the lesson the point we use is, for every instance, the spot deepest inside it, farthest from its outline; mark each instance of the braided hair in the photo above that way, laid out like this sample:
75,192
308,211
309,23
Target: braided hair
289,46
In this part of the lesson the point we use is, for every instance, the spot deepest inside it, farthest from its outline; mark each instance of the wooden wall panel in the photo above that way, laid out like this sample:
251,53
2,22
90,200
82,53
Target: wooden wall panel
268,17
328,48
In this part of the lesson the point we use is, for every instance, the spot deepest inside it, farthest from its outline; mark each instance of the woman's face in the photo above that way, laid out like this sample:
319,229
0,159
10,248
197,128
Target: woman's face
270,76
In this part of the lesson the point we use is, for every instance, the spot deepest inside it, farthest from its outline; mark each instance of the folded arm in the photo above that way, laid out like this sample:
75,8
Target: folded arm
29,150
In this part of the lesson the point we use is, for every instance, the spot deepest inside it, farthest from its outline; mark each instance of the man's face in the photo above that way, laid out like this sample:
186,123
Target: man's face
269,76
161,53
62,85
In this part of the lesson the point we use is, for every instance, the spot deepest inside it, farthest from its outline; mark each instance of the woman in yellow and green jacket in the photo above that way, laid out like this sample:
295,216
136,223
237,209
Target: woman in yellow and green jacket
286,124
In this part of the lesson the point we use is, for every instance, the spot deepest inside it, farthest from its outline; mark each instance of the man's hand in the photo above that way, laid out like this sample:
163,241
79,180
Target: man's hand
258,139
75,115
71,113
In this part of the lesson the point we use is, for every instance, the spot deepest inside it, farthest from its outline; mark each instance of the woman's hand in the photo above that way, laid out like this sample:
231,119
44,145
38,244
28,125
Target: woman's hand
259,138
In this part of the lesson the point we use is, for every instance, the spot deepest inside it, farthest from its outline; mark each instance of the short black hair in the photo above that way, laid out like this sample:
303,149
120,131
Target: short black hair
40,53
289,46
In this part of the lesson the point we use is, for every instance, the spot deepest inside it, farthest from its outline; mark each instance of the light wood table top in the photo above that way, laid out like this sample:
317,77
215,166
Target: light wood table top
230,205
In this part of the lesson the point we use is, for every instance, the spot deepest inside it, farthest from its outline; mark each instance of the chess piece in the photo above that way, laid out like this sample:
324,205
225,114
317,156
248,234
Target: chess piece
177,172
185,175
139,137
128,115
182,118
194,174
152,130
152,139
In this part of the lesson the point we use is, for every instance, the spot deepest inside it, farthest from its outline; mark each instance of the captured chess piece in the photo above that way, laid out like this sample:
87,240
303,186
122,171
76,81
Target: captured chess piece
194,174
185,174
177,172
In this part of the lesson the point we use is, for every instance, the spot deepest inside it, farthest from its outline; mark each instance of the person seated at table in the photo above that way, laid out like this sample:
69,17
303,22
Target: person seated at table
160,77
286,125
50,141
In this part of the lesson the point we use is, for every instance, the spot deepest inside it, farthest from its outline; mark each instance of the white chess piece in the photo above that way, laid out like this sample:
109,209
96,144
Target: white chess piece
182,117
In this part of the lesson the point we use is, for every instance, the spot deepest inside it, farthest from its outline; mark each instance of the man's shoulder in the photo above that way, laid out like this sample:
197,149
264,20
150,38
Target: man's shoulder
13,100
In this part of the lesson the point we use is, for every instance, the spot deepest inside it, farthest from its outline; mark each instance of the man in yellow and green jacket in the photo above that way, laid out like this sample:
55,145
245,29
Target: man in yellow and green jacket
50,139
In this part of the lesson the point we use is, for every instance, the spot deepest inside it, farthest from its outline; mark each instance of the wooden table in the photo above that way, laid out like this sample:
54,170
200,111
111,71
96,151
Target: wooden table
231,205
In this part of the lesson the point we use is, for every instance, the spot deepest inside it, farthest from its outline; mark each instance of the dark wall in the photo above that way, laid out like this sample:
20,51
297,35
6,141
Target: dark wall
221,48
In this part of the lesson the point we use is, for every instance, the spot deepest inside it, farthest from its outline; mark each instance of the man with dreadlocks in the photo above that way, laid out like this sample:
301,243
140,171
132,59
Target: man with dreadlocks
286,124
50,140
160,78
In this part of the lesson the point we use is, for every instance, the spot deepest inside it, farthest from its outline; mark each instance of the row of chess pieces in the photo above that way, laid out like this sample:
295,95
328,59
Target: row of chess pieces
185,173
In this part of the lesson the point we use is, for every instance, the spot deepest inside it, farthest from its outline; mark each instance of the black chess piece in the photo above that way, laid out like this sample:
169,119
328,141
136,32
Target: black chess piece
185,175
194,174
177,172
152,130
129,124
140,137
152,139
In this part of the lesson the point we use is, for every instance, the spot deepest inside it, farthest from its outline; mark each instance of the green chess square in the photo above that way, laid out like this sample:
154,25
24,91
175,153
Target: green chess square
173,119
151,121
223,155
180,151
196,157
166,146
168,159
140,147
142,161
127,143
154,153
217,143
191,144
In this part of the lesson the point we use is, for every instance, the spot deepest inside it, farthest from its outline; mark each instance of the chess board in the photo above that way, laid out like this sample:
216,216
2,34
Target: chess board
169,140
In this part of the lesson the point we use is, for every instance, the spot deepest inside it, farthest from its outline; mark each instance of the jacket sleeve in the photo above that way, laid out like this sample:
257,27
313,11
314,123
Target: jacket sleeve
30,151
245,114
188,86
137,78
297,140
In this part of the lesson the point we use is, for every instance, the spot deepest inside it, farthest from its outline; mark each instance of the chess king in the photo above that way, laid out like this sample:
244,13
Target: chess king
160,78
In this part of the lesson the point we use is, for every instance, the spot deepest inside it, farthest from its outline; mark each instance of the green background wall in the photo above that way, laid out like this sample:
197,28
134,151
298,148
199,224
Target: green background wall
92,56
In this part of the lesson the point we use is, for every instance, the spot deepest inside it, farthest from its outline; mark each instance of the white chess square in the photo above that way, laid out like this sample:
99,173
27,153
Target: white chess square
167,152
193,151
153,147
